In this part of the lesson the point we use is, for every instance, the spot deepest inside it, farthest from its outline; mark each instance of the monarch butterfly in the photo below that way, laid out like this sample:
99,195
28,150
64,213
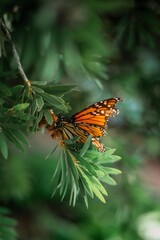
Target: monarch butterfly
90,121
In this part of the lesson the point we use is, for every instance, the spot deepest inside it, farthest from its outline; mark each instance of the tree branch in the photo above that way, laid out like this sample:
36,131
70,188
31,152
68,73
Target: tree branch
15,53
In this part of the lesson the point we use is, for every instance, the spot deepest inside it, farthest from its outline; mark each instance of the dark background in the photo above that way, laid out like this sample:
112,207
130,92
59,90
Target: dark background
108,48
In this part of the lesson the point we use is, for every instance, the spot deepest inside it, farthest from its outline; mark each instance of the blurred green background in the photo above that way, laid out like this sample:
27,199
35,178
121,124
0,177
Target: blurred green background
108,48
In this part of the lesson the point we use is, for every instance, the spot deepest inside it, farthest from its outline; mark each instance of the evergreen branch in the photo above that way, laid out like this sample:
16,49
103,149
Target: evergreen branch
77,172
15,53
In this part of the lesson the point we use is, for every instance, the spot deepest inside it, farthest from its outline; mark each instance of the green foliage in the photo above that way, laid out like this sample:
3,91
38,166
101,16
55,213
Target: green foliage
83,171
107,48
7,225
22,108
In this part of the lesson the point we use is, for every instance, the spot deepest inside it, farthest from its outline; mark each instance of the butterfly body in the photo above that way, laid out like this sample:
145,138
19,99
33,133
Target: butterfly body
90,121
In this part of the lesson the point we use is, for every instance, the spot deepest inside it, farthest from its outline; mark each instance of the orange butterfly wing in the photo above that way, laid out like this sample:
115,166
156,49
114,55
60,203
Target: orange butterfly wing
93,119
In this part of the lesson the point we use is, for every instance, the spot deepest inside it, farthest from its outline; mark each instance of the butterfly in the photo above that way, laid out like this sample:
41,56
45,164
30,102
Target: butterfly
90,121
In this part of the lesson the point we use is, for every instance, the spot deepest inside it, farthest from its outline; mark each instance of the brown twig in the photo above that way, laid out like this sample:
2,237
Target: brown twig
15,53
